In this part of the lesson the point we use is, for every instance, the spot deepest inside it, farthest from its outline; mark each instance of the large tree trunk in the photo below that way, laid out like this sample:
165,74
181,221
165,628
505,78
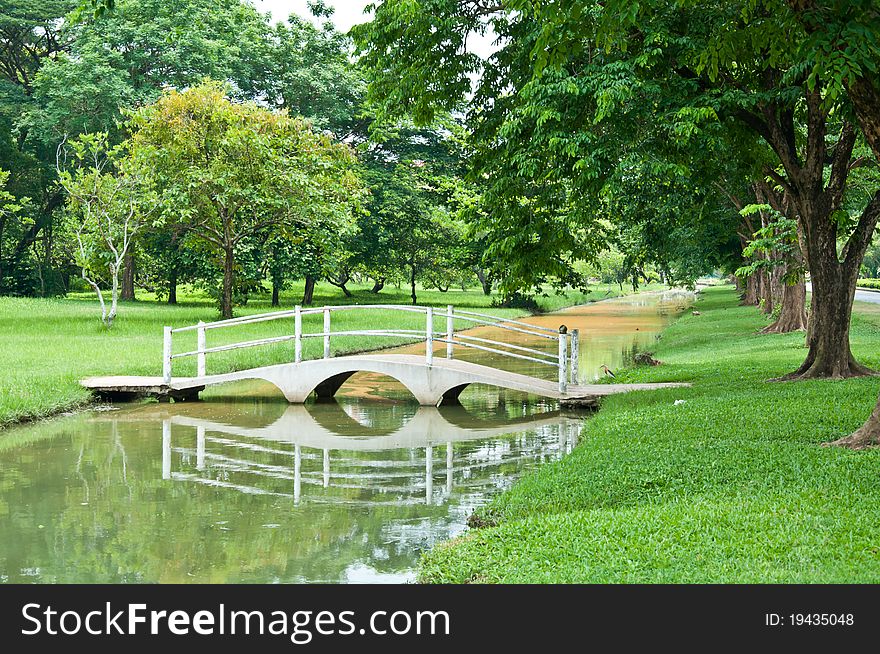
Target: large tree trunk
793,311
128,276
834,285
816,196
378,285
228,282
276,293
309,291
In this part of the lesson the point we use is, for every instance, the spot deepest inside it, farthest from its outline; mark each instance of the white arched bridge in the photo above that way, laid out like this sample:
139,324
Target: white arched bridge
431,379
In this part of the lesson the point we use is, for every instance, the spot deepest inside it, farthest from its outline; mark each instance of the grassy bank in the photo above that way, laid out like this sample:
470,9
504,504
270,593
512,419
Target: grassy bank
731,486
47,346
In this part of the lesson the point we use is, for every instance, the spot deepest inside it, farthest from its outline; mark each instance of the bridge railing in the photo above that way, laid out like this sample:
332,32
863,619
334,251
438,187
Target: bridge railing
563,357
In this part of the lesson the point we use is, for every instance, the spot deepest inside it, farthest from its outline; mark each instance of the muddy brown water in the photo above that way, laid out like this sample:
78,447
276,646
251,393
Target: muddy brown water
245,488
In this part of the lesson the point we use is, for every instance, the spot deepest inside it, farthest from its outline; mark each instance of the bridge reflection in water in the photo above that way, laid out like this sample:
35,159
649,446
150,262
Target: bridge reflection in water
304,446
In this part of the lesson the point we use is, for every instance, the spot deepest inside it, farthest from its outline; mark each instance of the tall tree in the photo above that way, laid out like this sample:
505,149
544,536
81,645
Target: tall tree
228,171
107,204
312,74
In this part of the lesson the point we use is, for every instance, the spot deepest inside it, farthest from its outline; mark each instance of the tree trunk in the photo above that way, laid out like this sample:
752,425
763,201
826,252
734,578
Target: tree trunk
276,300
412,283
762,290
342,278
378,285
750,295
829,356
114,297
485,282
793,311
228,282
128,276
309,291
172,287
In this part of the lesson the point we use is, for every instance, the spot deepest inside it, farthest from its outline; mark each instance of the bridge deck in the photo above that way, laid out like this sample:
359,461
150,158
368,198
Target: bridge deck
444,379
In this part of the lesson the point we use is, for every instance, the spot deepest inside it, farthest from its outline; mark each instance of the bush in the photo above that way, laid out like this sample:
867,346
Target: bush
869,283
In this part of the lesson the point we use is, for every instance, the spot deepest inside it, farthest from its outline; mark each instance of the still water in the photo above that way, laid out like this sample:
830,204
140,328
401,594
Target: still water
245,488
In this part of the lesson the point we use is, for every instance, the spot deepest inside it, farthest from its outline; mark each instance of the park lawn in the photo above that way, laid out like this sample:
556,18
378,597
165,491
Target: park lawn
731,486
48,345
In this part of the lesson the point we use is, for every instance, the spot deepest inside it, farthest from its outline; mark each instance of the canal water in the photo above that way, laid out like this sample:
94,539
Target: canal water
245,488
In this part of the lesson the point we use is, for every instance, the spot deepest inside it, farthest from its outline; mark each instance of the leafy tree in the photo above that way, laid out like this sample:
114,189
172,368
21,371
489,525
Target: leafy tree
107,205
312,74
228,172
778,247
412,224
128,56
31,33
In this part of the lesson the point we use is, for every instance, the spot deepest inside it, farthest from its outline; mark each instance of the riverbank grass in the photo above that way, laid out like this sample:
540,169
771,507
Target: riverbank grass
48,345
730,486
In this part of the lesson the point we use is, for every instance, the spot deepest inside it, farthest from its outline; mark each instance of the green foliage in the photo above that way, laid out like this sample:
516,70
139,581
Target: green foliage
871,263
312,75
774,244
12,214
229,172
107,203
570,139
128,56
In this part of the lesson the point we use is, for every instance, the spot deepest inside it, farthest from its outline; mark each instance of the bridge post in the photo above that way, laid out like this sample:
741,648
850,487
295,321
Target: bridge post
563,359
326,333
575,353
450,330
166,356
297,334
429,336
202,346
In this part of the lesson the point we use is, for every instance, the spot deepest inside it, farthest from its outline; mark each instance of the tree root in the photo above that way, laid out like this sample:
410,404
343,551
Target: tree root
867,436
862,439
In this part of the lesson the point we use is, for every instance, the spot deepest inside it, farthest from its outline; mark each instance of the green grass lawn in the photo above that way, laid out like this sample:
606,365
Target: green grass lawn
731,486
48,345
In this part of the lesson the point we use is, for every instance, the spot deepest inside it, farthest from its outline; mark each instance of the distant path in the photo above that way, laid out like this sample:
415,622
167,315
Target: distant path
861,295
